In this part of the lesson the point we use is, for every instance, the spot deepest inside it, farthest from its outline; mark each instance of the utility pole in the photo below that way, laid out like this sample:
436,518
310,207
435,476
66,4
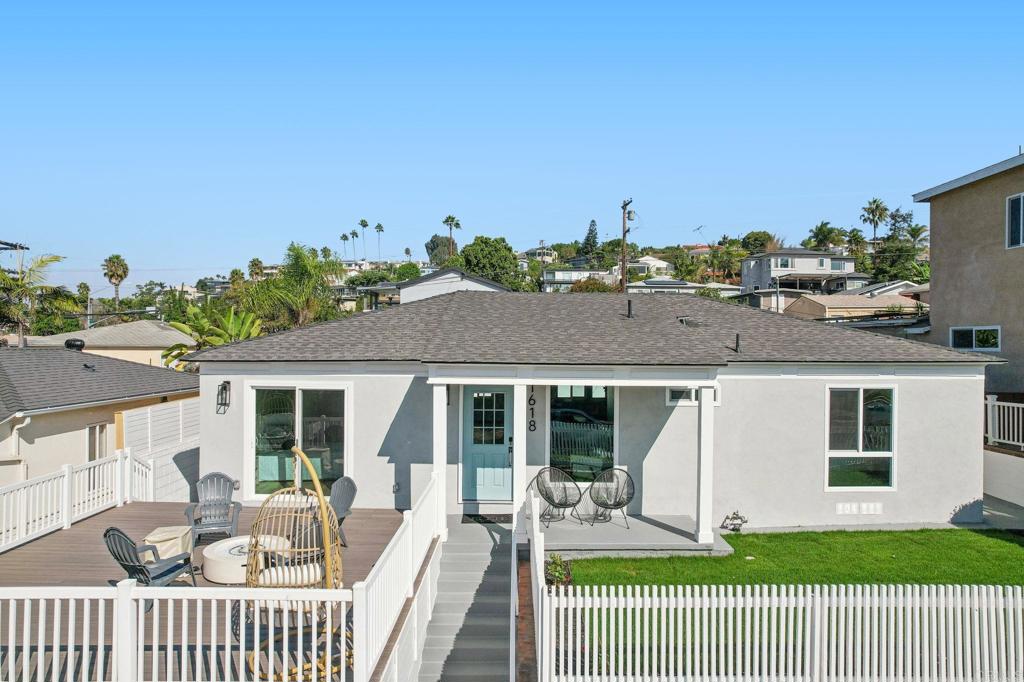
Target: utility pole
627,215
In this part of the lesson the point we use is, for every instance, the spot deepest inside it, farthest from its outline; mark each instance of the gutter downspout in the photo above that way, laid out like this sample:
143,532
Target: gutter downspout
16,442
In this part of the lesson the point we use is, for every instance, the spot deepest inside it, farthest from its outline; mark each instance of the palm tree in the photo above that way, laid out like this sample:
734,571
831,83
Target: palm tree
378,228
344,242
236,277
115,269
452,223
24,293
918,234
855,239
874,213
255,269
408,253
825,236
300,294
363,225
355,235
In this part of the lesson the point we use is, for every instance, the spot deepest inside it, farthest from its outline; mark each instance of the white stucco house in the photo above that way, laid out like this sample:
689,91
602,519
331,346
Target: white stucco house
710,407
438,282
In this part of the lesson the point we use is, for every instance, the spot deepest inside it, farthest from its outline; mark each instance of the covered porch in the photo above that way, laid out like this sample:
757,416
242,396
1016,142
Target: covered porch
509,423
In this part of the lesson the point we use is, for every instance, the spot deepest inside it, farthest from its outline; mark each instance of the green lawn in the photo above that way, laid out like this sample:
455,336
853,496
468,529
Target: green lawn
919,556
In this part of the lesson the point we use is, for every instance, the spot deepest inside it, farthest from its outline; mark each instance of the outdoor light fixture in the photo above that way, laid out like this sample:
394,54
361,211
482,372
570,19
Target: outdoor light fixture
223,396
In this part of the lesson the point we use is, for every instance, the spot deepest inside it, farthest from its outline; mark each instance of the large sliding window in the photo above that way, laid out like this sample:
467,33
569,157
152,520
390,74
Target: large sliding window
312,418
860,437
582,430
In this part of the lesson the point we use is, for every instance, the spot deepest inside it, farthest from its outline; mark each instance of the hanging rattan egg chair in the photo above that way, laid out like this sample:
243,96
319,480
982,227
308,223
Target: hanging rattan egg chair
294,543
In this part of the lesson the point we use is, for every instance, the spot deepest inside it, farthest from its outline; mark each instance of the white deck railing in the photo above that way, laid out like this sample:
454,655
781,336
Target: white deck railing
130,632
379,599
47,503
1004,422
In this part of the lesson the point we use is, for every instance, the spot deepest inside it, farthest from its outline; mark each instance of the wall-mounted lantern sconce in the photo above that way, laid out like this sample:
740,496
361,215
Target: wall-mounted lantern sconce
223,396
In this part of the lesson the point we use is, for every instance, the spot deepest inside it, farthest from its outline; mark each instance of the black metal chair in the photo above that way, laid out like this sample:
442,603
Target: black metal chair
156,573
343,494
215,512
611,490
559,492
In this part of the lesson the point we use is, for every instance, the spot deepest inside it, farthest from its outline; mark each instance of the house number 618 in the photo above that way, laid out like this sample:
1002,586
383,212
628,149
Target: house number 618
532,402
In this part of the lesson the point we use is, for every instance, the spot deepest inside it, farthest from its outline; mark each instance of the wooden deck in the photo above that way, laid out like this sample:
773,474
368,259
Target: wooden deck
78,556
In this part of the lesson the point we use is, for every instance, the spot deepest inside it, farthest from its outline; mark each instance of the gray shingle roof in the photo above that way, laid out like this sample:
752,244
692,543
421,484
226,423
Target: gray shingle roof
404,284
137,334
45,378
577,329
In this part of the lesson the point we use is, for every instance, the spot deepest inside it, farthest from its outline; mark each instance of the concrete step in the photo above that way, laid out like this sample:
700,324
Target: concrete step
436,643
471,620
448,585
495,608
452,630
494,651
469,670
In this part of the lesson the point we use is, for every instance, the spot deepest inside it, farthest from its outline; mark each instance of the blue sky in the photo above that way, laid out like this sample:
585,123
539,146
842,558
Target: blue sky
193,136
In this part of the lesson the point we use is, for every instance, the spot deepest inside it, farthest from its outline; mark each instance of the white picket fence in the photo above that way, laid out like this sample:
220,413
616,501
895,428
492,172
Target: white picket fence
47,503
1004,422
131,632
378,600
773,632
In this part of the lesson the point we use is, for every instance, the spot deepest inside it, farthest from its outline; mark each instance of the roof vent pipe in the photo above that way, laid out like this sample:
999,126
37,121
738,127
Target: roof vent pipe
737,342
629,308
74,344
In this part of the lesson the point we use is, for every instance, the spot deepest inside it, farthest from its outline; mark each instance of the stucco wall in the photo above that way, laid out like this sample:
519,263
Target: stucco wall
52,440
1004,476
976,280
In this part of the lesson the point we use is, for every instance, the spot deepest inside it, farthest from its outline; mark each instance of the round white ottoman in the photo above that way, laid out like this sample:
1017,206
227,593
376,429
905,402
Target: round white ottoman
224,561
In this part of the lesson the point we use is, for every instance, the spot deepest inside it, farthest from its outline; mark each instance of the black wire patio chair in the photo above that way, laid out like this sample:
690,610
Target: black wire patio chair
559,492
612,490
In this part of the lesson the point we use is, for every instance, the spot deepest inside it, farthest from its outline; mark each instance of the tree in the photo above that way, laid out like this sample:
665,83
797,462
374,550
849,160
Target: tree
565,250
407,271
591,285
493,258
368,278
452,223
756,241
362,226
211,330
115,269
709,292
326,253
894,259
899,222
25,294
344,241
236,277
918,236
379,229
589,246
824,236
690,267
408,253
83,294
355,235
874,213
857,244
301,293
439,249
255,269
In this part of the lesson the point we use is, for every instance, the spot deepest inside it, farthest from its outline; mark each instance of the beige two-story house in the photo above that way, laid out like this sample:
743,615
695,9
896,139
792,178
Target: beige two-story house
977,256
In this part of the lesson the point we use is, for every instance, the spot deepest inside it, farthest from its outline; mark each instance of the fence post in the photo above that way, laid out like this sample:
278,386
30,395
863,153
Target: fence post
119,487
151,481
125,634
360,652
67,502
411,542
990,418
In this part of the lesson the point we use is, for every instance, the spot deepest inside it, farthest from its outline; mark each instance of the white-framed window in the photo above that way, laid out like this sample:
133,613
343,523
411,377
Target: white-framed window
821,263
837,266
686,395
582,432
976,338
860,440
97,441
783,263
316,416
1015,221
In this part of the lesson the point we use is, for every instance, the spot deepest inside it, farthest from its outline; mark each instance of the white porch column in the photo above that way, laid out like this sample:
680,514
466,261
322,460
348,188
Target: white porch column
520,413
705,462
440,432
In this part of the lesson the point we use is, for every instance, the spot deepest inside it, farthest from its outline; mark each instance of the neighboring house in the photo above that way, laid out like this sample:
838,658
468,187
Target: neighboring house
545,254
214,287
711,408
140,341
655,266
425,286
794,269
561,280
921,292
852,282
820,307
885,288
57,406
775,300
667,285
977,260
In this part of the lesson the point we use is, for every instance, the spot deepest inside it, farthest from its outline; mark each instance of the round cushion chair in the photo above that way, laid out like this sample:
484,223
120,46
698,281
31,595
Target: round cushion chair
611,490
559,492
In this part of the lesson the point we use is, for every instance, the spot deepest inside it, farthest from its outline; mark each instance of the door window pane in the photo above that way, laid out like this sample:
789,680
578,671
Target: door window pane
583,430
877,420
323,432
488,418
857,472
275,436
842,419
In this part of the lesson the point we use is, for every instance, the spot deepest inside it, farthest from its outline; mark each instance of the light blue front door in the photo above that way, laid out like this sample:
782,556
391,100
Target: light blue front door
487,443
